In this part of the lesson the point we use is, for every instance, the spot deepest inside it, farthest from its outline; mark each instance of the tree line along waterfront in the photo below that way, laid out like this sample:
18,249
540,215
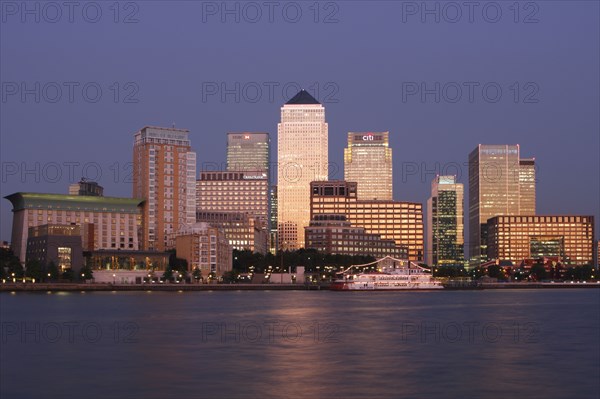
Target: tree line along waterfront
318,267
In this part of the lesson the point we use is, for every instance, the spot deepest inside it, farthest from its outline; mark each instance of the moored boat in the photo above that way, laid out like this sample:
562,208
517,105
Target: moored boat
386,274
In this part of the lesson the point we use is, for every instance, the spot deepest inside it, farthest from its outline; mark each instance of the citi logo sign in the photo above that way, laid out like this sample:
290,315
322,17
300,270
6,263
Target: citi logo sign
367,137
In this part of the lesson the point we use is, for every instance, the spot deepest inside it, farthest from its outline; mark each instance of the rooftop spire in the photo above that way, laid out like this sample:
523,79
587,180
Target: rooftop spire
303,97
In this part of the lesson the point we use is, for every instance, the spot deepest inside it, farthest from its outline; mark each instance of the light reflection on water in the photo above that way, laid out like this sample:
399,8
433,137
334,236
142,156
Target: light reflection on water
538,343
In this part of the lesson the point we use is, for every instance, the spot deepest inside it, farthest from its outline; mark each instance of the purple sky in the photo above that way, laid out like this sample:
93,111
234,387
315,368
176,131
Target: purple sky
367,61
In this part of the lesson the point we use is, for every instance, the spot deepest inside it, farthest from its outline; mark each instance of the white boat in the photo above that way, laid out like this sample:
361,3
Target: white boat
386,274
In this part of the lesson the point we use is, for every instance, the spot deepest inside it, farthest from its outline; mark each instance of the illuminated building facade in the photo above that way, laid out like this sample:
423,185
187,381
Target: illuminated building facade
164,174
445,228
273,220
514,238
393,220
527,186
104,222
302,157
244,192
368,162
243,231
60,244
204,247
497,179
333,234
248,151
237,194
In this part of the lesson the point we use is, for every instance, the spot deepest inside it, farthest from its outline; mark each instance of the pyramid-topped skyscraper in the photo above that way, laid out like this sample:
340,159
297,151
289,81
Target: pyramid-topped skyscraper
302,148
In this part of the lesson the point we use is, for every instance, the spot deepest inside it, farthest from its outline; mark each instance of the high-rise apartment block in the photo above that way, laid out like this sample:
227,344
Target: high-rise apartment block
164,174
302,157
445,228
368,162
500,183
395,220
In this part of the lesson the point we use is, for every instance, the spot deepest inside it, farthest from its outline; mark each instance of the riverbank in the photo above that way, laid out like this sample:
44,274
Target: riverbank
41,287
37,287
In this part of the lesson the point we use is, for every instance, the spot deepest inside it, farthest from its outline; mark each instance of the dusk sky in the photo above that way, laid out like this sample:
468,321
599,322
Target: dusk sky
366,63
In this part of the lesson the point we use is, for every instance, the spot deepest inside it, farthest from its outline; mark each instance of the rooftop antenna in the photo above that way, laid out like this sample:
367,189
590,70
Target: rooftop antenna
173,125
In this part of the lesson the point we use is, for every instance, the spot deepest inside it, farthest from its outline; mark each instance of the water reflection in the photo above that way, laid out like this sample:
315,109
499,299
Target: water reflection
302,344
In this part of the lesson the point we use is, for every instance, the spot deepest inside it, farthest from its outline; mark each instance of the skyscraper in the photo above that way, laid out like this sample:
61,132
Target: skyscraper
445,226
248,151
273,219
527,186
164,174
497,180
368,162
302,155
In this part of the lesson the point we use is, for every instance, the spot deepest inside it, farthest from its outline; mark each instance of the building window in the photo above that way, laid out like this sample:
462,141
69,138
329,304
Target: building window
64,258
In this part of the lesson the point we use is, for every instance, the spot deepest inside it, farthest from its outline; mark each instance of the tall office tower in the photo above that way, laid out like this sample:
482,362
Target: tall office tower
368,161
248,152
527,186
164,174
273,220
445,228
392,220
497,180
302,145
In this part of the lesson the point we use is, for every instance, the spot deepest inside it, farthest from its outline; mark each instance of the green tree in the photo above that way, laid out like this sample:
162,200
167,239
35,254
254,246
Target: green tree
86,273
33,269
197,274
177,264
538,272
51,272
68,275
495,271
168,274
229,277
10,264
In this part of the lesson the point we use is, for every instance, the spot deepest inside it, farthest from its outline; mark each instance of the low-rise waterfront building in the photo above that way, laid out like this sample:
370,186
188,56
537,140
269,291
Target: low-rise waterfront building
104,222
334,234
394,220
243,231
569,238
59,244
239,202
204,247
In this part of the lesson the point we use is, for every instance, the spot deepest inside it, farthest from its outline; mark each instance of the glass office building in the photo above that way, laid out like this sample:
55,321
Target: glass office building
445,227
368,162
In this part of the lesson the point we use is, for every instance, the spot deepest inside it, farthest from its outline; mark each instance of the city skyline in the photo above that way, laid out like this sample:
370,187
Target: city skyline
150,149
523,173
428,137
